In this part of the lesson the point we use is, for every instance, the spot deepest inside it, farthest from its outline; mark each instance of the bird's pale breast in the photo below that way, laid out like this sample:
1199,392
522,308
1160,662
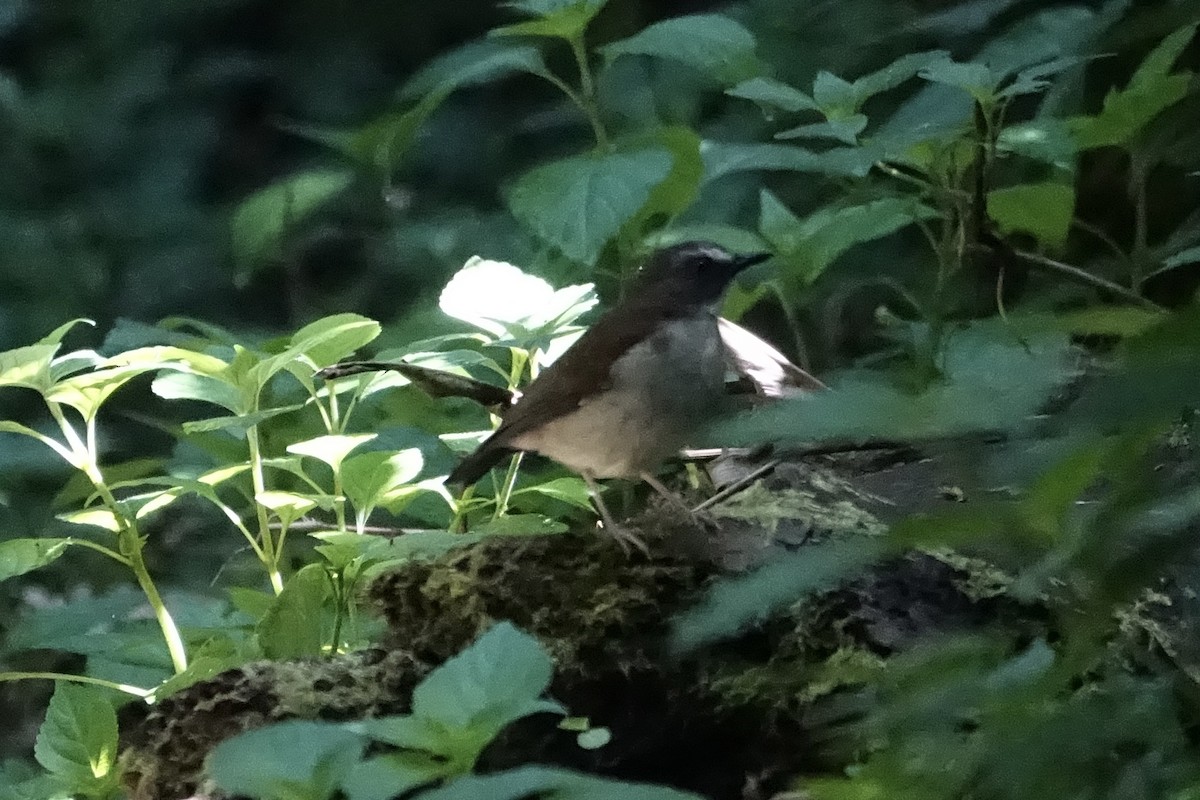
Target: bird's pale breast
661,391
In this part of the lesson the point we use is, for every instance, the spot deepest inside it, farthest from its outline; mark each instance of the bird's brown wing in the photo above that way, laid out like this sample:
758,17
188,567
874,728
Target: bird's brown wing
581,371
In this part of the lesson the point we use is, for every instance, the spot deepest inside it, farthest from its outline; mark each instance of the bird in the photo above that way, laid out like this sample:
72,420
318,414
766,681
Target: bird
630,392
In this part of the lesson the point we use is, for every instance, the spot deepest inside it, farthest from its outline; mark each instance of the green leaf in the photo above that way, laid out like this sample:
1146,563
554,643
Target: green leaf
293,760
776,94
1044,210
563,19
498,679
472,64
287,506
238,423
293,627
711,43
722,159
580,203
568,490
316,345
1048,140
811,245
381,478
18,556
978,80
27,367
263,219
737,603
833,95
550,783
845,130
331,448
1151,90
78,741
894,74
392,775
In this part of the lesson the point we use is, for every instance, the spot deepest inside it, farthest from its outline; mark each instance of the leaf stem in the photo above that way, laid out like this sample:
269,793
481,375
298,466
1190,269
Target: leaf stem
270,554
136,691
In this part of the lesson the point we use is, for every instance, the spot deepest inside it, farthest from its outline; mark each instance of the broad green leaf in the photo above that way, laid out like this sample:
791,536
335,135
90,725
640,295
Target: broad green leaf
811,245
380,478
845,130
78,741
293,760
1047,140
392,775
1151,89
722,159
737,603
27,367
293,627
834,95
190,386
317,345
1044,210
678,190
87,391
568,490
976,79
472,64
894,74
385,141
263,219
770,92
18,556
499,297
580,203
711,43
498,679
551,783
564,19
331,448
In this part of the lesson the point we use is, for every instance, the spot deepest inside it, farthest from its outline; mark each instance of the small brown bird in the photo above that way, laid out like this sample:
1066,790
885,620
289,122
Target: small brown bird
625,397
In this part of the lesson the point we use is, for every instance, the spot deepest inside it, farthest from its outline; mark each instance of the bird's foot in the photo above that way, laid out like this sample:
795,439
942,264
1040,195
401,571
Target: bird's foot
626,538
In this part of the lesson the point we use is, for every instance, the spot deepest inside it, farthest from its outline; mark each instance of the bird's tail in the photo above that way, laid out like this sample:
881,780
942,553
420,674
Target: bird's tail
476,465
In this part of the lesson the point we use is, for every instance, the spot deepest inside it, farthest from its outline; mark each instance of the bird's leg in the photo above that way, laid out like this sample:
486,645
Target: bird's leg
671,497
626,538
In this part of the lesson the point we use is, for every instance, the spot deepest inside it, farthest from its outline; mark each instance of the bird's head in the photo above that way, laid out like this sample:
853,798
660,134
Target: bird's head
693,273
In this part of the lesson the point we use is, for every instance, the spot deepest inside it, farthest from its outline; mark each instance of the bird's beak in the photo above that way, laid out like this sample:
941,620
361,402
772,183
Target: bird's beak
749,260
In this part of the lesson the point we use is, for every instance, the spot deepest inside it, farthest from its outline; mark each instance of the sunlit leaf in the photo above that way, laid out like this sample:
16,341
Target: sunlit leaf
499,297
474,63
330,448
722,159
